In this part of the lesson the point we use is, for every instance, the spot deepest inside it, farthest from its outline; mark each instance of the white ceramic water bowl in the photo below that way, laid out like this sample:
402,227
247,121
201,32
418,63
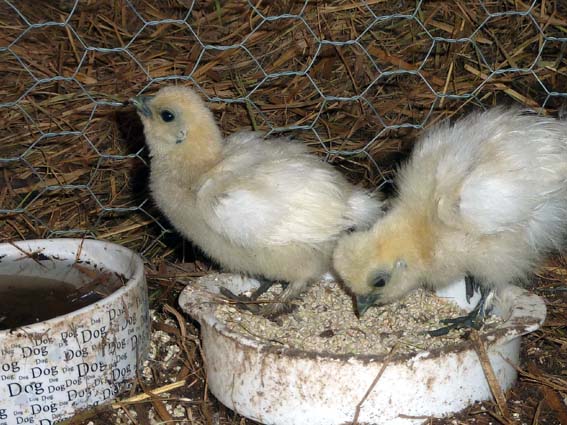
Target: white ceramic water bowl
52,369
284,386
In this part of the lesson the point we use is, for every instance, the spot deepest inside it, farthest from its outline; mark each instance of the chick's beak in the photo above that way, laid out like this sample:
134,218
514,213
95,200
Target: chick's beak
363,303
141,104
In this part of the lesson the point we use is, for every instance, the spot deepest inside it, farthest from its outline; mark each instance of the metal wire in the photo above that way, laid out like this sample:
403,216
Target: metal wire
248,97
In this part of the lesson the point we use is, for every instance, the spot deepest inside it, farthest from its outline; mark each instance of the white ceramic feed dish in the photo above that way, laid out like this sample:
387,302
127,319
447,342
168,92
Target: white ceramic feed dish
283,386
51,369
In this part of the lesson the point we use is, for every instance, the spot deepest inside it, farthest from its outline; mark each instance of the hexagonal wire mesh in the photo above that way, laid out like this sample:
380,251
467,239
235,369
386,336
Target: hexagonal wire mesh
357,80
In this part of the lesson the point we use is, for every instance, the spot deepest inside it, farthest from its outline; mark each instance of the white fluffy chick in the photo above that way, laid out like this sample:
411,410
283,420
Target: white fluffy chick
484,197
265,208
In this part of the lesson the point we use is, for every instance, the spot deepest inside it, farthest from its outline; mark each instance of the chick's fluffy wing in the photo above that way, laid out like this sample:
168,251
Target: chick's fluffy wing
275,202
495,170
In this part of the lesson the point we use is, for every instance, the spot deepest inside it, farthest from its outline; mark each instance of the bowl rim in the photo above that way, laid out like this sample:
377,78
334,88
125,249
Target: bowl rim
132,281
197,301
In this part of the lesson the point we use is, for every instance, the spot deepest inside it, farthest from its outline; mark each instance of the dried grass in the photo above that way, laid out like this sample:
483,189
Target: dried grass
91,180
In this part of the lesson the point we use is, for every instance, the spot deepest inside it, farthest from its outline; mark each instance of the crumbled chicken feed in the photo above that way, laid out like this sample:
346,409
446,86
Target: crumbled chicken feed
324,321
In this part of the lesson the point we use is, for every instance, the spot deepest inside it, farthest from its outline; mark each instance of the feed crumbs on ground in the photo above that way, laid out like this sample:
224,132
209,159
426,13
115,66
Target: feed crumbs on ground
324,321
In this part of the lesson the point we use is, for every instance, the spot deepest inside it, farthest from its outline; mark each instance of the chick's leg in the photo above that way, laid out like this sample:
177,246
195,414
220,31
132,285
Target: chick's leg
282,304
265,284
473,320
248,303
471,286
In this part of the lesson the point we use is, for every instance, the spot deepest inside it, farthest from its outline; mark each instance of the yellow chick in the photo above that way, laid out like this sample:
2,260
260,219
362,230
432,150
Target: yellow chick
485,197
263,207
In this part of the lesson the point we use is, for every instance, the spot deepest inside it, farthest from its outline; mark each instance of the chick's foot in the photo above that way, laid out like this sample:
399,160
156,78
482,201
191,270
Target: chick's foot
241,301
473,320
265,285
282,304
274,310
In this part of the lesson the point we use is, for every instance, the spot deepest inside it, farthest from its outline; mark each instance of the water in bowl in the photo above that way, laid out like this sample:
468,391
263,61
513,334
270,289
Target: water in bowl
25,300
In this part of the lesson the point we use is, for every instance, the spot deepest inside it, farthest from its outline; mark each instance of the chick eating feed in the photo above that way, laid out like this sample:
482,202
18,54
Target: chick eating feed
485,197
324,322
300,381
261,207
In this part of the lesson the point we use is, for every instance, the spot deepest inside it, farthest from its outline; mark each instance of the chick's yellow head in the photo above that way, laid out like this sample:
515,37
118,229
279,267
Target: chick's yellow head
377,266
175,120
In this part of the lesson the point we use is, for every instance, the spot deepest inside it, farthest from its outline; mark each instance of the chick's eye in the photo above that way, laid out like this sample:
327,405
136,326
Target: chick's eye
379,280
167,116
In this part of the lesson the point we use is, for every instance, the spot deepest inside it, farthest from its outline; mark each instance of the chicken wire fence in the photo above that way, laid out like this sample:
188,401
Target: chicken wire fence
356,80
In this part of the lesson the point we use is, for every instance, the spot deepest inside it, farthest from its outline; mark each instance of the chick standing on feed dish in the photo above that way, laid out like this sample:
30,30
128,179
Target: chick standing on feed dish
485,197
263,207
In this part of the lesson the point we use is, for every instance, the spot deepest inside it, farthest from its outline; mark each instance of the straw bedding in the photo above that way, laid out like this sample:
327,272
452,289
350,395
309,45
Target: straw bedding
72,160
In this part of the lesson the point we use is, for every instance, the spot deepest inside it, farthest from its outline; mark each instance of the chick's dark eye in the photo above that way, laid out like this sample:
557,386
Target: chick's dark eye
167,116
379,280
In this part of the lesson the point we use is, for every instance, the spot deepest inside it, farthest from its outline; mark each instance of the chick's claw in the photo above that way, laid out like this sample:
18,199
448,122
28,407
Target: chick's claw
265,285
470,321
240,301
473,320
272,311
282,304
